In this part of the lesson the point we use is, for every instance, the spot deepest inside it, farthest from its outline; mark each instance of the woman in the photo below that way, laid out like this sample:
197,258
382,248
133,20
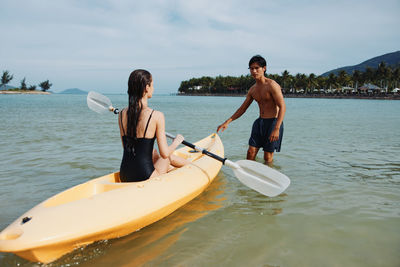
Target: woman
139,126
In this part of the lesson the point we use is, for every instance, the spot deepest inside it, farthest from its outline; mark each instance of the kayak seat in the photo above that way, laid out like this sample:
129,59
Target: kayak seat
82,191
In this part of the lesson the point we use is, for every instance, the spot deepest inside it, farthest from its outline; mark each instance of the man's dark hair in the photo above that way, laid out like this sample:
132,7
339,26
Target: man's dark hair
259,60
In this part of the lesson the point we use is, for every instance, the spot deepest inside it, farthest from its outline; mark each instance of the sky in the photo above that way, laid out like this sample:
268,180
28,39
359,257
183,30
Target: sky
96,44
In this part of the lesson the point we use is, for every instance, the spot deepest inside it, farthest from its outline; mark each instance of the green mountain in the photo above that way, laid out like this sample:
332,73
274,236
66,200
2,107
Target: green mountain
73,91
391,59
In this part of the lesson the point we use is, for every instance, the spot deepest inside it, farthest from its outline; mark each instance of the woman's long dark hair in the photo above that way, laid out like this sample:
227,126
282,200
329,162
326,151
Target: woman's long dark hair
136,86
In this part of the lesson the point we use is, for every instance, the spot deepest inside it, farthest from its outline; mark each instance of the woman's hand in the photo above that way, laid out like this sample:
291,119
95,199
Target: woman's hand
178,139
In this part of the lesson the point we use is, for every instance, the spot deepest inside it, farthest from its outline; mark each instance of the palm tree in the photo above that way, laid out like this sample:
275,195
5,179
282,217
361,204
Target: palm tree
396,77
343,78
331,81
312,81
285,78
23,84
300,81
320,82
45,85
245,82
382,74
356,77
388,78
369,75
6,78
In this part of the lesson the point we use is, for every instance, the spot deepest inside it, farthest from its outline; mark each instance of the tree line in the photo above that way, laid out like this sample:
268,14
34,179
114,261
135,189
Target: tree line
385,77
7,77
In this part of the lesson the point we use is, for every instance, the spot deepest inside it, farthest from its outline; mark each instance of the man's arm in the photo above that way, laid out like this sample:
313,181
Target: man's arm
280,102
239,112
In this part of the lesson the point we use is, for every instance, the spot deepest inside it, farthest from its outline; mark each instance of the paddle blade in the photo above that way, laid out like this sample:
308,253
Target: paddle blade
98,102
261,178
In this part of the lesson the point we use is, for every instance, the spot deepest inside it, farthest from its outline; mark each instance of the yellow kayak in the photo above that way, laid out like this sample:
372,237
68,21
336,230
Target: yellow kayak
104,208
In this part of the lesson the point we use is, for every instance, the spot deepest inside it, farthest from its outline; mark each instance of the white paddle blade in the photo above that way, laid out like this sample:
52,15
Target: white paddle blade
98,102
261,178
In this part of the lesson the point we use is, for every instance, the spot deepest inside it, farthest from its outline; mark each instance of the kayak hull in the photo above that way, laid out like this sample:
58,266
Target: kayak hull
104,208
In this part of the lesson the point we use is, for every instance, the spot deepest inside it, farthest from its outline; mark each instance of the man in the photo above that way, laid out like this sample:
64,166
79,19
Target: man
267,131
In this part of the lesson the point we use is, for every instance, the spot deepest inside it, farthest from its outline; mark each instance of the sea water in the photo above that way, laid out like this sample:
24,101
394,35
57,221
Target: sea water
341,209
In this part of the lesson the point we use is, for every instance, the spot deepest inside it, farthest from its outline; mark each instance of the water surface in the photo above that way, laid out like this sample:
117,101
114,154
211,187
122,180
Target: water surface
341,209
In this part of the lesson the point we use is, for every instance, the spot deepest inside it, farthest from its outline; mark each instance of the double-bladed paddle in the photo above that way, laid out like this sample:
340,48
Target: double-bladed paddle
255,175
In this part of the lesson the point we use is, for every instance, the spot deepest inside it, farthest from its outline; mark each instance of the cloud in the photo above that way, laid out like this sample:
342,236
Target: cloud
95,44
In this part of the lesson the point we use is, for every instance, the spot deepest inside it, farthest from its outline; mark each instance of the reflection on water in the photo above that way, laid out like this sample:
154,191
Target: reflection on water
249,202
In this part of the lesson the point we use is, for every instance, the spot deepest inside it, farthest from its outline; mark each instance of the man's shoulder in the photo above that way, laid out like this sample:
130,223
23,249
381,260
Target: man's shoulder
251,89
265,85
271,82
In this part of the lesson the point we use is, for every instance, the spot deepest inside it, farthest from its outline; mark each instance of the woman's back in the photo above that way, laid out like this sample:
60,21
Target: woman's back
137,162
144,120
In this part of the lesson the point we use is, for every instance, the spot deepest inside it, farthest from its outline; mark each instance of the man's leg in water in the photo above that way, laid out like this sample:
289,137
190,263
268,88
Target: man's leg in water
268,156
252,152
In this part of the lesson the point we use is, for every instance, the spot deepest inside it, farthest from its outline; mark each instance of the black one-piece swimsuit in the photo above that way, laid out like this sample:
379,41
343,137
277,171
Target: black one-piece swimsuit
137,161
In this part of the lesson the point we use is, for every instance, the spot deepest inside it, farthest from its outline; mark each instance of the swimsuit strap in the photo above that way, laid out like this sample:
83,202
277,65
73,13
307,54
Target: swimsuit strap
147,125
122,126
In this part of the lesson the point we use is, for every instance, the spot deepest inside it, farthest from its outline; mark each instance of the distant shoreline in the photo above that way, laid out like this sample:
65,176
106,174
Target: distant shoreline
18,92
377,97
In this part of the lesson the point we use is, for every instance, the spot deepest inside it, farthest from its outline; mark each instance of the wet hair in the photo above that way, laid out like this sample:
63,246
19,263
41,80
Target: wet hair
259,60
136,87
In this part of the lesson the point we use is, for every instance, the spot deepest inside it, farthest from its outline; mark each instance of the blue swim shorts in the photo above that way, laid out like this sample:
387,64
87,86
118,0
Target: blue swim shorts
260,133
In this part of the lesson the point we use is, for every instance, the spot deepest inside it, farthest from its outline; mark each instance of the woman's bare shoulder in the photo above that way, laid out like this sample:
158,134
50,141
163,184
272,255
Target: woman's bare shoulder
158,115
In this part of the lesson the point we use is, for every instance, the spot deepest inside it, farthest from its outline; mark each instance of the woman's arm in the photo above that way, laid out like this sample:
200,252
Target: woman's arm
164,149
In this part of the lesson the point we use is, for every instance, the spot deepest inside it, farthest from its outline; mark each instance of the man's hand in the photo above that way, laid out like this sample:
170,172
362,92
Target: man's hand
223,126
274,135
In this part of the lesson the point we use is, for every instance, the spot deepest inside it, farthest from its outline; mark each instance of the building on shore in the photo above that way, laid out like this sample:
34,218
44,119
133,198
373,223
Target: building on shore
371,89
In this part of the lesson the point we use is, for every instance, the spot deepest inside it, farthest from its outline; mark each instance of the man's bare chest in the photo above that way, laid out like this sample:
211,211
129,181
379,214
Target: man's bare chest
263,96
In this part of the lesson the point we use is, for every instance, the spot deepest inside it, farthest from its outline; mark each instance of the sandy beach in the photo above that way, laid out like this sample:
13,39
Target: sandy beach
9,92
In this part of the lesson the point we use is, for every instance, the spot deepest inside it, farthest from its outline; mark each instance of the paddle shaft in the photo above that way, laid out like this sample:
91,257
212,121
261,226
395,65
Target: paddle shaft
202,150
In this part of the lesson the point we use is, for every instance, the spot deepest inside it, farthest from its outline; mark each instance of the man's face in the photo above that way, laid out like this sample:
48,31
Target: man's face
257,71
